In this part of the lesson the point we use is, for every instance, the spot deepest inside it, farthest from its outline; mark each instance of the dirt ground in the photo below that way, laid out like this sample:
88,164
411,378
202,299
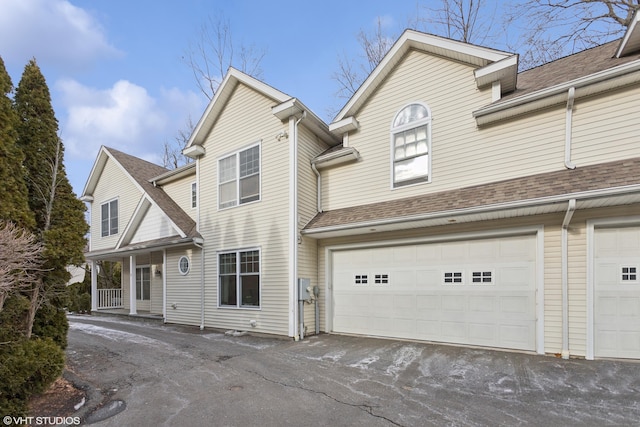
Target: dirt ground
58,401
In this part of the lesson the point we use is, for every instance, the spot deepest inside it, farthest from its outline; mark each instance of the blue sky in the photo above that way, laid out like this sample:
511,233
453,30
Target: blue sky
116,71
115,67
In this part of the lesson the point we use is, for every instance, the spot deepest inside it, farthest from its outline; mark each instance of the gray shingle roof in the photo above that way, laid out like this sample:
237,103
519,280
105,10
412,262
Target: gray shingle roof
569,68
142,171
558,183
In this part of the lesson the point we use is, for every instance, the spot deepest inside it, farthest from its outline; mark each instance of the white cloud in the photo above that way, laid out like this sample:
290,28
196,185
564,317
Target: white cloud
53,31
124,116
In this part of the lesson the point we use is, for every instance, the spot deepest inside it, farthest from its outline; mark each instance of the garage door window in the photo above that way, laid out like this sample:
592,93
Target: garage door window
629,274
482,277
453,277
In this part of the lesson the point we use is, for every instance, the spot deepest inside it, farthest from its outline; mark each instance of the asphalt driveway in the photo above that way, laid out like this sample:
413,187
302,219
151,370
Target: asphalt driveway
150,374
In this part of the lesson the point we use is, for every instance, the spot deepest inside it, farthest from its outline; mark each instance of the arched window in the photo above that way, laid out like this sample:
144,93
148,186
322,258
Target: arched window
411,145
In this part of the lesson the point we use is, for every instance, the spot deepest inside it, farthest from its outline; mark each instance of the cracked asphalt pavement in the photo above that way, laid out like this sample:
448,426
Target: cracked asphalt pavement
169,375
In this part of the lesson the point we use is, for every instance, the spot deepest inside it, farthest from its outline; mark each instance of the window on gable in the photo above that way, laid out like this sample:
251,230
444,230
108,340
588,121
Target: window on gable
239,178
239,279
411,145
194,195
109,218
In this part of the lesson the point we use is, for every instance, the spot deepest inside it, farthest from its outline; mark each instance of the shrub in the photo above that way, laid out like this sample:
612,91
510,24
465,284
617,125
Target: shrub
51,322
27,367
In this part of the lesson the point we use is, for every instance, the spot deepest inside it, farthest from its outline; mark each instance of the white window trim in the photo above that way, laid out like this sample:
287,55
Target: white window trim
184,273
239,305
194,202
236,153
108,202
394,130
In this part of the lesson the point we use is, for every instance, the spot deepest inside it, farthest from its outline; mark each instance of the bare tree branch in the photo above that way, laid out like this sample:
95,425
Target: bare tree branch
20,260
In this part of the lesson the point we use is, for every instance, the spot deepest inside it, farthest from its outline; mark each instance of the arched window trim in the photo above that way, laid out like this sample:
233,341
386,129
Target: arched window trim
403,128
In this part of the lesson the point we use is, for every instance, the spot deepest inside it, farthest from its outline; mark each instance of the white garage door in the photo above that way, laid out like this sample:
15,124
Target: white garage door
617,292
477,292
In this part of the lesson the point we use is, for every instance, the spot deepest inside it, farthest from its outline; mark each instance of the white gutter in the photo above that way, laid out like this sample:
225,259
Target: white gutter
552,95
568,129
565,276
482,209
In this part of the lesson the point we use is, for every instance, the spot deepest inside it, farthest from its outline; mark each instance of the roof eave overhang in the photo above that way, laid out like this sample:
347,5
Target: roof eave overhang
293,107
215,107
505,71
630,43
142,248
344,155
606,80
548,205
175,174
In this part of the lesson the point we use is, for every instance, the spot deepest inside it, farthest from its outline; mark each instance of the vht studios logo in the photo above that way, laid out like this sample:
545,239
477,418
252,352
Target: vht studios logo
17,421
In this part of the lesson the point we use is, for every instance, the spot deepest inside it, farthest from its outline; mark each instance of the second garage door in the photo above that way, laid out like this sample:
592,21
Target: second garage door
476,292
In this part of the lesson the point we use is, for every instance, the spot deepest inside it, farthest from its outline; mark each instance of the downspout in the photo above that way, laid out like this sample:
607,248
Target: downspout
318,186
565,277
293,233
201,246
164,285
568,129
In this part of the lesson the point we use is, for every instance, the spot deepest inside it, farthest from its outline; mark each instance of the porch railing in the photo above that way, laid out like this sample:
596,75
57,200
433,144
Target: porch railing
110,298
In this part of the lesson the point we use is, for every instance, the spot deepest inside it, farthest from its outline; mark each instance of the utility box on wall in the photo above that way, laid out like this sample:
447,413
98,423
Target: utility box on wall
304,289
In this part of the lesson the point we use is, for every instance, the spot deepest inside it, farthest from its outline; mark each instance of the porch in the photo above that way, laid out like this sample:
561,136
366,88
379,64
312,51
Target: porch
123,312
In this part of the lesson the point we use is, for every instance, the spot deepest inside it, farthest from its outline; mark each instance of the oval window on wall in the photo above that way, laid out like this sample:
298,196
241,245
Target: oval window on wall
183,265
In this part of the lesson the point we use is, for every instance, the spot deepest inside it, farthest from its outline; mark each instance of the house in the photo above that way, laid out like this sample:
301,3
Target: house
452,199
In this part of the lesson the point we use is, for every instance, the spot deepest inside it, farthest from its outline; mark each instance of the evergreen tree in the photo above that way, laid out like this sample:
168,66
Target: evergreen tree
14,204
58,212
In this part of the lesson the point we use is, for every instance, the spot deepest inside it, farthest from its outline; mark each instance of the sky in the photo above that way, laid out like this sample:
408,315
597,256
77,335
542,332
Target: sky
117,73
116,70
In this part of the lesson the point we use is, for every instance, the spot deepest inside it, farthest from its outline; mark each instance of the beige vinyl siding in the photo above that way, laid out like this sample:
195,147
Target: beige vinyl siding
180,192
308,148
462,154
113,183
605,127
245,120
553,286
183,290
154,225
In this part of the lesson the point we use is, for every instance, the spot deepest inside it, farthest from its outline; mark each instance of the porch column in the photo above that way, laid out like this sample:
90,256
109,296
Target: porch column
132,285
94,286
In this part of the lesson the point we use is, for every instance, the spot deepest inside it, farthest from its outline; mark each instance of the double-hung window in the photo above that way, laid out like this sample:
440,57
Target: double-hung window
411,145
239,178
239,279
109,218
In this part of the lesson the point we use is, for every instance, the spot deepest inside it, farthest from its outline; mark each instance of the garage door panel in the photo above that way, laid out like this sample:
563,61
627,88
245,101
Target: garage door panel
417,302
617,292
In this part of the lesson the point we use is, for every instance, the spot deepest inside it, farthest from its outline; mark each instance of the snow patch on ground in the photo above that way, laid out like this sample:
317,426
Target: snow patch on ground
403,358
119,336
364,363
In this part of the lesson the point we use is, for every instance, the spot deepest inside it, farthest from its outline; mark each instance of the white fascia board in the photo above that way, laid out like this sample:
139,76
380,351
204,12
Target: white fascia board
498,207
412,39
631,40
94,175
136,219
505,71
194,151
295,107
347,124
344,155
222,94
555,94
181,172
